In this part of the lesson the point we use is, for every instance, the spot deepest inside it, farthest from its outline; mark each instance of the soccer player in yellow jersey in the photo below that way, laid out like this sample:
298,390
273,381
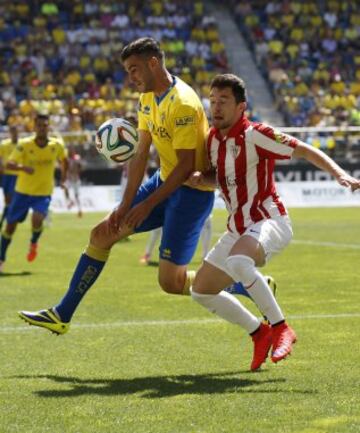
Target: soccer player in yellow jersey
34,159
171,116
8,176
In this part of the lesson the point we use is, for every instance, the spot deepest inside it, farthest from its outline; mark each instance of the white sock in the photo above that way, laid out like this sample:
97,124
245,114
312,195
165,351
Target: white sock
229,308
265,300
242,268
153,238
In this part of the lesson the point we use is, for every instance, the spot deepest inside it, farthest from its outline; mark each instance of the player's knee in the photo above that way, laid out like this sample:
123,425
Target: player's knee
10,229
171,284
241,268
99,236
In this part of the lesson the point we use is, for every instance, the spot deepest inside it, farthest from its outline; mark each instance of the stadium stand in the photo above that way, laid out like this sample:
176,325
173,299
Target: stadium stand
309,52
63,57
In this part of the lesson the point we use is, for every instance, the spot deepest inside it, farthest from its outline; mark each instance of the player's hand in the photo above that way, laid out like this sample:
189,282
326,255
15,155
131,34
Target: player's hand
138,214
348,181
27,169
116,218
196,178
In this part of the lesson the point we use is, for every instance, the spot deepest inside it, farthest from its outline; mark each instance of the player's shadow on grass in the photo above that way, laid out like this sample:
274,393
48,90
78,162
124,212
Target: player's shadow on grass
165,386
153,263
15,274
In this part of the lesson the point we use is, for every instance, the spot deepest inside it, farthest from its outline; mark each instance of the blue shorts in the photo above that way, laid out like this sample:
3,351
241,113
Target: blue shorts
8,183
21,203
182,216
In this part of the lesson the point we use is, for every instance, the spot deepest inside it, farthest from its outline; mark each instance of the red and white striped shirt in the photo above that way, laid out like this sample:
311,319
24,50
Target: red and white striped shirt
244,161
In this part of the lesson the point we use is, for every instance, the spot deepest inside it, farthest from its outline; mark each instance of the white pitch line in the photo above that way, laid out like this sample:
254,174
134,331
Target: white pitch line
135,323
327,244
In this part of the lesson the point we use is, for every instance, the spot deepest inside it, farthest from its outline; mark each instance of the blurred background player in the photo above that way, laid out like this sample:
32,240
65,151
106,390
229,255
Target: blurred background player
73,180
8,178
34,159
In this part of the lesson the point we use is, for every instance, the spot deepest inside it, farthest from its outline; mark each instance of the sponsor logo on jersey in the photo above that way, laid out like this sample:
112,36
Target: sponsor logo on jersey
186,120
235,150
158,131
231,180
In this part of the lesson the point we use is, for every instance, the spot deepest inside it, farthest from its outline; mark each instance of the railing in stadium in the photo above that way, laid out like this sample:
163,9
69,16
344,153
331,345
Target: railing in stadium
341,142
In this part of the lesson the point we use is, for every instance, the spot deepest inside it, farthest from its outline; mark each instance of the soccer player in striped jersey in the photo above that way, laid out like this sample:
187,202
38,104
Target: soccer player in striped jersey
242,156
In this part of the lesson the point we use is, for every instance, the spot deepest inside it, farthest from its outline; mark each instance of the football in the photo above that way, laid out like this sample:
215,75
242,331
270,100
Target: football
117,140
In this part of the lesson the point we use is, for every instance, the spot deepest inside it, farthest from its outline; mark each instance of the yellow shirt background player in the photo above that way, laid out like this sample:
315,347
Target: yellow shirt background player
8,177
175,121
43,160
6,148
34,159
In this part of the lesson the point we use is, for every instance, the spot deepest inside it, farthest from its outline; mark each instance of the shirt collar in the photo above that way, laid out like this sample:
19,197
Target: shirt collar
240,126
158,99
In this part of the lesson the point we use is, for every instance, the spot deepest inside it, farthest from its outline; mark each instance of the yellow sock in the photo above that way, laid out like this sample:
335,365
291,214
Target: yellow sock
97,253
190,277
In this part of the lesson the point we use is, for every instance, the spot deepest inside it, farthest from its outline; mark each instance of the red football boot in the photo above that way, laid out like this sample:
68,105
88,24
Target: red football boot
283,338
262,343
31,256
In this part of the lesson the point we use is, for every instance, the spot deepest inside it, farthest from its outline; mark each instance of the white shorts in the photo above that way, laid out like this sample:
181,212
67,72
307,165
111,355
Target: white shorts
273,234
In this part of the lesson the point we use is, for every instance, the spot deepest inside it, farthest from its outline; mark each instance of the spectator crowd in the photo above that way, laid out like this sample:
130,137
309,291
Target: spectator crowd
64,57
309,52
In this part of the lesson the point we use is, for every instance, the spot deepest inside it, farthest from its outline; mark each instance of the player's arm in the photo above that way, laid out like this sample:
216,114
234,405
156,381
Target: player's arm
136,171
16,161
324,162
136,168
184,167
206,178
181,172
64,169
17,166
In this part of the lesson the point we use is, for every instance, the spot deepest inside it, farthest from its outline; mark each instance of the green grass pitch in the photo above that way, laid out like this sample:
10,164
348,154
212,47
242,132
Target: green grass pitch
139,361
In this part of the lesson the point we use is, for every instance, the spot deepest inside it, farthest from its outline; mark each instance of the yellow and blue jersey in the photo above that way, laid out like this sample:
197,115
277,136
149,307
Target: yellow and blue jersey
42,159
6,148
176,121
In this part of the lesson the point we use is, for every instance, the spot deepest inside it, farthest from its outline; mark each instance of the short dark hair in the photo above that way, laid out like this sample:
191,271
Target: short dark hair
235,83
146,47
